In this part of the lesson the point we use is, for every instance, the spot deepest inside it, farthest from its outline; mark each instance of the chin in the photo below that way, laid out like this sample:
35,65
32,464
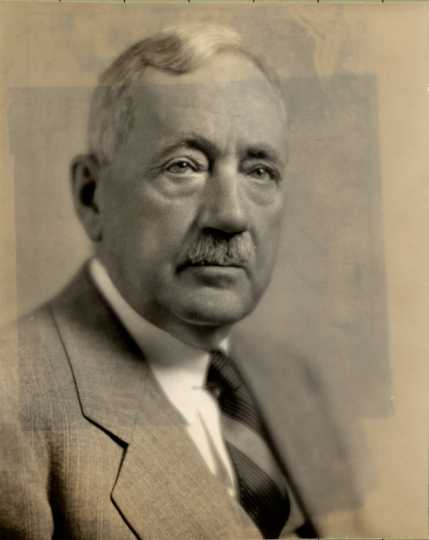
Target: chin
221,312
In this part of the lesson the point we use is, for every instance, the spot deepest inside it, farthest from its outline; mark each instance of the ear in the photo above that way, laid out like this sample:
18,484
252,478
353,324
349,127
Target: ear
85,184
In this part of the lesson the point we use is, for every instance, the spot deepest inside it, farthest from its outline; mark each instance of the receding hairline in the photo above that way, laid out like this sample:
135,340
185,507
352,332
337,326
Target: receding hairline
251,71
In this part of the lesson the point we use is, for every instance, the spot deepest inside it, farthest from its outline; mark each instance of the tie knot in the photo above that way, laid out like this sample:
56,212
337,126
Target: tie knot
222,375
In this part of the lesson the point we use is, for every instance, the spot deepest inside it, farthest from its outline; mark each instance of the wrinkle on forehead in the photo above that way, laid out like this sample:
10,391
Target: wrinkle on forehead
222,120
213,92
252,102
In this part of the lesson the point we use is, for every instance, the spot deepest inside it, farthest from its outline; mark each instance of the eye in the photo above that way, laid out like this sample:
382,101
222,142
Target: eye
181,166
263,173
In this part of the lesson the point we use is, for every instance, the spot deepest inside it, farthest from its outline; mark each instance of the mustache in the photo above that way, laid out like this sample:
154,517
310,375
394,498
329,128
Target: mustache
236,250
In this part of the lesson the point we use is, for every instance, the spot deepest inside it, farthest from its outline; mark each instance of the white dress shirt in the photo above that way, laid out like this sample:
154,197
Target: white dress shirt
180,370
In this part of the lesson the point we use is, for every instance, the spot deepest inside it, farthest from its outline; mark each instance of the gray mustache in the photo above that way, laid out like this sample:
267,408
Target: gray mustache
209,249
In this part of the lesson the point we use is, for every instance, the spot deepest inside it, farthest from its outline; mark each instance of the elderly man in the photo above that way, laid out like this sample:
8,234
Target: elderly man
132,410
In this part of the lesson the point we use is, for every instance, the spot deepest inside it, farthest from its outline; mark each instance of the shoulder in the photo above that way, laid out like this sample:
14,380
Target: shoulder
29,339
36,333
269,364
25,343
37,382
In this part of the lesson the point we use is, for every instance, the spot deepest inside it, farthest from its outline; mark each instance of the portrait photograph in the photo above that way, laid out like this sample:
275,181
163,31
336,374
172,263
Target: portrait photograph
214,270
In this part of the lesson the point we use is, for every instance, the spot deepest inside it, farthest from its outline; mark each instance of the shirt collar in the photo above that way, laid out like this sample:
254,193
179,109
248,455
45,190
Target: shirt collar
165,353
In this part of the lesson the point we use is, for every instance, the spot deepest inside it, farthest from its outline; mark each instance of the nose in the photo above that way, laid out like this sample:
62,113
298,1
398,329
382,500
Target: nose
223,206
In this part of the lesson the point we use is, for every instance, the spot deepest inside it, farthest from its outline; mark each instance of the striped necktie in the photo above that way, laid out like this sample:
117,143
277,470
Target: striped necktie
262,486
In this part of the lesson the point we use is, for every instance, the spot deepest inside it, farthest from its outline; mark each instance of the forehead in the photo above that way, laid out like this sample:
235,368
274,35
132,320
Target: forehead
226,98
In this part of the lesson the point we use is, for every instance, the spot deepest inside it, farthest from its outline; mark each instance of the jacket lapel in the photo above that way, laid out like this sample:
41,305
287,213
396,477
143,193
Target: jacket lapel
163,488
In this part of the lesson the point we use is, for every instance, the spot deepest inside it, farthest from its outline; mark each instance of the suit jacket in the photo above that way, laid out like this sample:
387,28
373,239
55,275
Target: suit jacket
91,448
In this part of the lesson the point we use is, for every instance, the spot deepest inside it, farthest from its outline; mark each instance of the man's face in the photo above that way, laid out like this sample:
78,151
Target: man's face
191,204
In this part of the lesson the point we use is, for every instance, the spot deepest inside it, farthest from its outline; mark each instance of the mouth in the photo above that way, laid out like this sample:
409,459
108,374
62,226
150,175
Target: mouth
220,277
207,264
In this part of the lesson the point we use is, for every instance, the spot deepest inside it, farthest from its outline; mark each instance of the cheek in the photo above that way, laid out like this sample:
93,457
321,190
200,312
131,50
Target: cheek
150,228
268,222
267,234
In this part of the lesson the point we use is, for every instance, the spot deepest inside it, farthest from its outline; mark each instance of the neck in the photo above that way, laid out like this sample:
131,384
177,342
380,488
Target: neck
202,337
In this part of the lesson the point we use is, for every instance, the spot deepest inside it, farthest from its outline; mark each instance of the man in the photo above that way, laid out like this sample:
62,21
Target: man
130,409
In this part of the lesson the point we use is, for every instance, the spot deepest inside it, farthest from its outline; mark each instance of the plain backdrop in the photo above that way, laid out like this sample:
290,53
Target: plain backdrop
350,292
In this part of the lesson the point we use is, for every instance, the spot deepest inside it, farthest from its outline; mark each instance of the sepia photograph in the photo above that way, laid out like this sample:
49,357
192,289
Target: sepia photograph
214,270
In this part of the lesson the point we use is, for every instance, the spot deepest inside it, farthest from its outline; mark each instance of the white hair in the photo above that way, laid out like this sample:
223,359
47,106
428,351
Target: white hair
174,50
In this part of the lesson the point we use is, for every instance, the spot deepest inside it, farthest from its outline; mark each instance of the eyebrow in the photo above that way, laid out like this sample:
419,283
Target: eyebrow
190,140
198,142
265,152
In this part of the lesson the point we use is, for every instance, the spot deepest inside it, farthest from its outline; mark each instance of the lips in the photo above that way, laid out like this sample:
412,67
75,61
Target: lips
207,264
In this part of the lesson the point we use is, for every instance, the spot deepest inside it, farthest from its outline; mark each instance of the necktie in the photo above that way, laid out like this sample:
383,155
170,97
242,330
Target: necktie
262,486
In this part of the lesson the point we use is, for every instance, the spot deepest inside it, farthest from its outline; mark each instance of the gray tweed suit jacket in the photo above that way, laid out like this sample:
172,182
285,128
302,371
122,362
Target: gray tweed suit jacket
90,448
